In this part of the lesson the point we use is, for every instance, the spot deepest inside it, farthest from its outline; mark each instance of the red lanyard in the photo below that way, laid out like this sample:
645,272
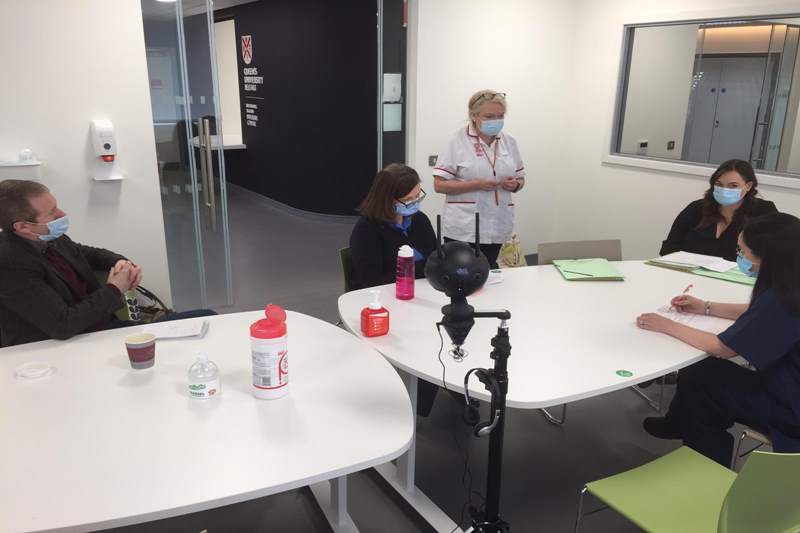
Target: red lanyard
492,162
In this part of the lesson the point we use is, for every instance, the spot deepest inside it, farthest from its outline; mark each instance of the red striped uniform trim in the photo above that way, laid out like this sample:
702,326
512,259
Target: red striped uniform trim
444,169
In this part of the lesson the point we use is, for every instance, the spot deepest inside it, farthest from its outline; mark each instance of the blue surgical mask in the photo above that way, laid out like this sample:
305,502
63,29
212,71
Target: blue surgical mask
408,209
492,127
56,228
745,265
726,196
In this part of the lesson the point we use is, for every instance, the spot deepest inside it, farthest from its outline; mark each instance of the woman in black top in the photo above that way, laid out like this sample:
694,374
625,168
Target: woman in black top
711,225
390,219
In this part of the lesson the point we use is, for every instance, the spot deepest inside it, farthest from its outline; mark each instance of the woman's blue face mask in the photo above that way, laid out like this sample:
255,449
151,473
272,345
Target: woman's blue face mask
407,210
727,196
744,264
492,127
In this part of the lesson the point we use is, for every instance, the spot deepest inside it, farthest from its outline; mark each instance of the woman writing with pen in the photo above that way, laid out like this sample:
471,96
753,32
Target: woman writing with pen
714,393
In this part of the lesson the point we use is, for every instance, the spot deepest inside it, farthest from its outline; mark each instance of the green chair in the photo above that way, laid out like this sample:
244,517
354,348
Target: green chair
686,492
346,259
750,434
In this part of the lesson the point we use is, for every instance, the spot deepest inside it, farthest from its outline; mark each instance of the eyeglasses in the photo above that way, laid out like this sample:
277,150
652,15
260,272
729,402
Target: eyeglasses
489,97
419,198
739,252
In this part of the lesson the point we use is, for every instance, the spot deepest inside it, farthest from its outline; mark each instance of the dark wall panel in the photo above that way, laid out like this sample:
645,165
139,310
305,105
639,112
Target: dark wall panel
314,146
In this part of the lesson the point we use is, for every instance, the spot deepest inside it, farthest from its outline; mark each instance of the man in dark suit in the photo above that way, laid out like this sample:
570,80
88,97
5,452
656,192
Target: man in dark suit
48,289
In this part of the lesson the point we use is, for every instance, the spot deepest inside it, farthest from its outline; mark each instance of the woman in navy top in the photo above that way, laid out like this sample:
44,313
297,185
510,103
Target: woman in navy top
714,393
711,225
390,219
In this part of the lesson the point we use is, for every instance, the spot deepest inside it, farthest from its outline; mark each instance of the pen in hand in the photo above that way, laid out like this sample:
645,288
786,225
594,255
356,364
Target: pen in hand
686,290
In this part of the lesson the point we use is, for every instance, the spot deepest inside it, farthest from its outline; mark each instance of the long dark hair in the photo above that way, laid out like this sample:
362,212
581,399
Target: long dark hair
391,183
711,214
775,240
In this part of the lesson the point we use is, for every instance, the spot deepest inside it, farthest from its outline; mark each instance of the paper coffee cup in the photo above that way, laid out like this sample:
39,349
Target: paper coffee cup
141,350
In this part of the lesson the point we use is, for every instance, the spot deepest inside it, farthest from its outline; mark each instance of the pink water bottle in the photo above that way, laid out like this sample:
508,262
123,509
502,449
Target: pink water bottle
404,283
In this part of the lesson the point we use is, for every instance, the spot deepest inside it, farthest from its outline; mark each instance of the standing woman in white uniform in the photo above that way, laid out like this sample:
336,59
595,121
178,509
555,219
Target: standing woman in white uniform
479,171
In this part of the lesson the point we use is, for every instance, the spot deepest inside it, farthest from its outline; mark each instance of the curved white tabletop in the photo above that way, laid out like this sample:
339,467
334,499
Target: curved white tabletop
568,339
98,444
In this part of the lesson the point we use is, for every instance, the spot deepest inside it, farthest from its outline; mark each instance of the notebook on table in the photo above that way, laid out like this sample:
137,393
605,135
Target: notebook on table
596,269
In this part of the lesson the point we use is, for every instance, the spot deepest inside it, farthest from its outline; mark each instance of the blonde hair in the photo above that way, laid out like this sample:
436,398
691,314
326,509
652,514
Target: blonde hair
482,97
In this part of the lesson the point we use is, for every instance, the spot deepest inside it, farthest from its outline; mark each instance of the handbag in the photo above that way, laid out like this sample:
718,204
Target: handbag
144,306
511,255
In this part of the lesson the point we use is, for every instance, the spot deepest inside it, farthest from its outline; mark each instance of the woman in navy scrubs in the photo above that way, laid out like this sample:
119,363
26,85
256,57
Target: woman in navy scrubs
715,393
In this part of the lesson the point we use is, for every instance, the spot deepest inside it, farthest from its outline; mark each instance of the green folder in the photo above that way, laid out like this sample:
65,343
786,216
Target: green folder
587,270
735,275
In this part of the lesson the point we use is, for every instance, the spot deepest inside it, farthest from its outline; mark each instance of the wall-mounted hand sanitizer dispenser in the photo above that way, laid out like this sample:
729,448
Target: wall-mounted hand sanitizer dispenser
105,147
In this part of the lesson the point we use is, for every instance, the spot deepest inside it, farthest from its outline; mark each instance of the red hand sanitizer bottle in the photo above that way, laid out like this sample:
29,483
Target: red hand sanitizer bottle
374,317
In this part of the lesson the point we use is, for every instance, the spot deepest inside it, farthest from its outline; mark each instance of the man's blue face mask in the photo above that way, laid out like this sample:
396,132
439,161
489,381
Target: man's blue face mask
56,228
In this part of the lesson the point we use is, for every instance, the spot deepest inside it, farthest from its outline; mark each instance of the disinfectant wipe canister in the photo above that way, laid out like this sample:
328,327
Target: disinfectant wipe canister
270,354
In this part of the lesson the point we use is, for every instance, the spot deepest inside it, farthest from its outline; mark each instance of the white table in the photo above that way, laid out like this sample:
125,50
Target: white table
99,445
568,340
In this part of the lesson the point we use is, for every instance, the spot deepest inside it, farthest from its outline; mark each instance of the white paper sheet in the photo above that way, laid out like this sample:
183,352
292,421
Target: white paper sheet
717,264
177,330
706,323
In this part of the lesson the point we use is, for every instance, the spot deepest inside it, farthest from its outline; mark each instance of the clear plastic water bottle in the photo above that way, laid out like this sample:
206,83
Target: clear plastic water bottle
404,284
203,378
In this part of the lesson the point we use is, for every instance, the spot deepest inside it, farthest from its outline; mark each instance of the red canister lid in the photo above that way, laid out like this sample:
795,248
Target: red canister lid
273,326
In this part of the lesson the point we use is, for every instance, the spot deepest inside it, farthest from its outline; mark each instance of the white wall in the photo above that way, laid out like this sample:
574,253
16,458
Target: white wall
662,63
559,61
63,64
520,47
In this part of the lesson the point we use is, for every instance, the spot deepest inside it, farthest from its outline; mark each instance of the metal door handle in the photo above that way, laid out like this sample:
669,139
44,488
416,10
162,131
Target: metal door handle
201,139
211,197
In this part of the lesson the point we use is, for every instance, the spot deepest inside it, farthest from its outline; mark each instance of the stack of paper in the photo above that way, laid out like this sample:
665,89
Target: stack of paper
703,265
688,261
587,270
178,329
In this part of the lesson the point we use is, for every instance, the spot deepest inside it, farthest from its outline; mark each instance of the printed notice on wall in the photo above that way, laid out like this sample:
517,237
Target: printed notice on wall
252,82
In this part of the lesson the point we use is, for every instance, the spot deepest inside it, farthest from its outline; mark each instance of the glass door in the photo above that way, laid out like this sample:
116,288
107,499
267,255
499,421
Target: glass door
775,96
182,69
